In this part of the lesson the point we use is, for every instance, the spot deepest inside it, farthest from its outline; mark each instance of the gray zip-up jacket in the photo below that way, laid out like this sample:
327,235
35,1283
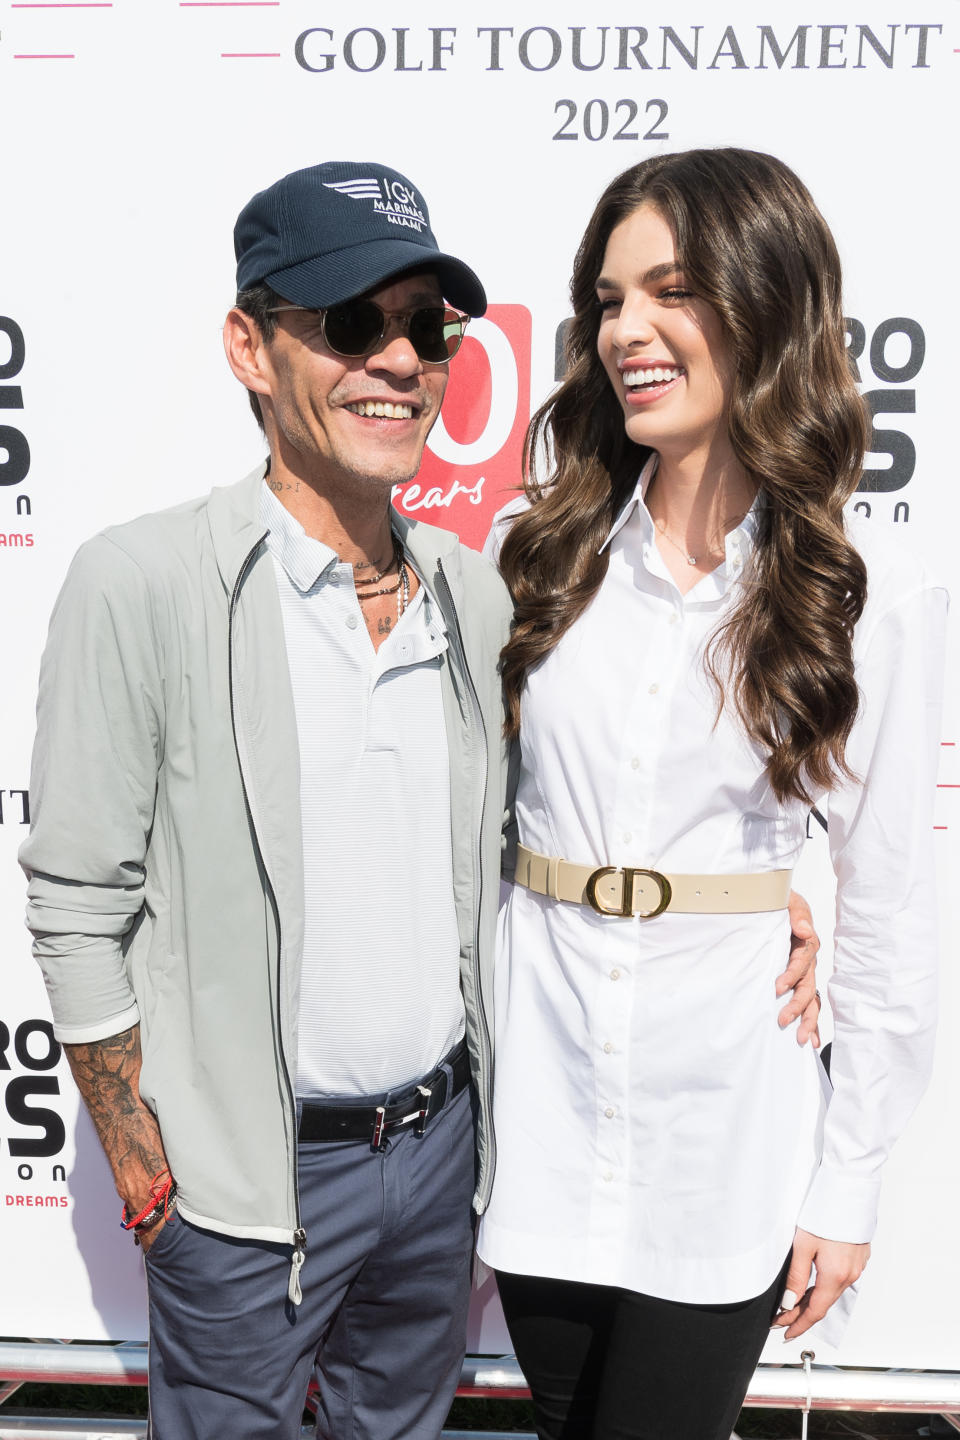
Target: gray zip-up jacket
164,861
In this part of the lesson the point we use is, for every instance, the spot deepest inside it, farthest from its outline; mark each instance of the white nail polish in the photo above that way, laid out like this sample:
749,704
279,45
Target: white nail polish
789,1300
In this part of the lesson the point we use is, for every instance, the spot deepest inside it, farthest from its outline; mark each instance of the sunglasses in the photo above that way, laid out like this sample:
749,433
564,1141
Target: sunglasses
357,327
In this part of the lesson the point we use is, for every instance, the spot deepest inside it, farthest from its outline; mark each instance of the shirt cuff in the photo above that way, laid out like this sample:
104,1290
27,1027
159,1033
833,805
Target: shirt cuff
99,1030
841,1207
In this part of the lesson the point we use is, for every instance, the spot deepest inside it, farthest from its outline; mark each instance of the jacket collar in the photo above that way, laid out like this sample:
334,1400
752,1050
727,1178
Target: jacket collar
429,547
237,529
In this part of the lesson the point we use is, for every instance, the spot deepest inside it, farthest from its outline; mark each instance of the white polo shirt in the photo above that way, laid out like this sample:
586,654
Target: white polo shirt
380,998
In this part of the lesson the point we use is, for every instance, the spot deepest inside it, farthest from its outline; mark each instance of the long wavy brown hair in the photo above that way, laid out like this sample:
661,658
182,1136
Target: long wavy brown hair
750,242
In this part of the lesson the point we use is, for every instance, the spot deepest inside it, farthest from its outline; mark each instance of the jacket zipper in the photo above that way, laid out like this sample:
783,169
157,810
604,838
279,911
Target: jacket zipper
486,1065
294,1292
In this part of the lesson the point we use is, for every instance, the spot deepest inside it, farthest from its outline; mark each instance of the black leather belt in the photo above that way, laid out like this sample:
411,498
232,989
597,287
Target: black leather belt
416,1106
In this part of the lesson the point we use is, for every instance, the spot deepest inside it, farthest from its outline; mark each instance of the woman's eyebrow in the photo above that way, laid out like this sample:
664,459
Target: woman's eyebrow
649,277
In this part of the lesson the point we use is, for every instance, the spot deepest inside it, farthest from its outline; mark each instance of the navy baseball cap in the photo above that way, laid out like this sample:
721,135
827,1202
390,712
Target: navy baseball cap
325,234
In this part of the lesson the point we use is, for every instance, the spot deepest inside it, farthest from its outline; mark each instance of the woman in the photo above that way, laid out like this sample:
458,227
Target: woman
704,646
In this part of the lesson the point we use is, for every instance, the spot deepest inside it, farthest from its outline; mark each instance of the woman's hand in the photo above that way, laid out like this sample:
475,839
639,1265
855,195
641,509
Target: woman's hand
837,1265
800,975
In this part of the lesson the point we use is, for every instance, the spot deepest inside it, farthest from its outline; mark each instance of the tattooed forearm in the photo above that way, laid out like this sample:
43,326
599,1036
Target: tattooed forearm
107,1073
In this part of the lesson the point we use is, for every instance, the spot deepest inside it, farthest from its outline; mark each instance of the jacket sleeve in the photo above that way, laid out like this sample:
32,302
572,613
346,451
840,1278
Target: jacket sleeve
509,835
883,990
92,789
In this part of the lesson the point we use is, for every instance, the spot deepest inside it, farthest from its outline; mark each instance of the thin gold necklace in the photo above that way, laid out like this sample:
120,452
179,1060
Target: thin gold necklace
728,524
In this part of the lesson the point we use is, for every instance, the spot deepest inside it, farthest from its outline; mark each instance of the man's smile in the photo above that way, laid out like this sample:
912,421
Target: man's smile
391,410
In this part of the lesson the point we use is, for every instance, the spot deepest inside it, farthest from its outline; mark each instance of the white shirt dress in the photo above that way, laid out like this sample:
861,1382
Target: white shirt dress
656,1129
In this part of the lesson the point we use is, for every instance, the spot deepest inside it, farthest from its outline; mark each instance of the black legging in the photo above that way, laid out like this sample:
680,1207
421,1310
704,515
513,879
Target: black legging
609,1364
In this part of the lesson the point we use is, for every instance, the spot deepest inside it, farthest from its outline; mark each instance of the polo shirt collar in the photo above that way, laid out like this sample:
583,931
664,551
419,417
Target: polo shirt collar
304,559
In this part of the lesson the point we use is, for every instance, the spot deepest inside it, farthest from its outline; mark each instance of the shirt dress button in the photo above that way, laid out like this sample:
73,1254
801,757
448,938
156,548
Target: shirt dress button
608,1175
653,689
635,763
614,974
609,1112
352,622
608,1050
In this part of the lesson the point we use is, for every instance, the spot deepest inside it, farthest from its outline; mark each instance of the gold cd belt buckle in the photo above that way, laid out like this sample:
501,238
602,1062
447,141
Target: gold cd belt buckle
630,875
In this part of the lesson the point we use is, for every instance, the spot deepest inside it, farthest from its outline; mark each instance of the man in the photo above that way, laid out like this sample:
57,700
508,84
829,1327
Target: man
222,971
268,947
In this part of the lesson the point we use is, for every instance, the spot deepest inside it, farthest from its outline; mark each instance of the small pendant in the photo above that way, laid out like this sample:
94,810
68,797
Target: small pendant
691,559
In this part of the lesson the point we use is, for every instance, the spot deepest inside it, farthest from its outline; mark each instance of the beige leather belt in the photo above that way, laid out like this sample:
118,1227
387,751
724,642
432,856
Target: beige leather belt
627,891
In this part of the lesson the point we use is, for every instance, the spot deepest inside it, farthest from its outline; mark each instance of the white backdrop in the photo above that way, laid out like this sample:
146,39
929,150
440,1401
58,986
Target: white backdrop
133,133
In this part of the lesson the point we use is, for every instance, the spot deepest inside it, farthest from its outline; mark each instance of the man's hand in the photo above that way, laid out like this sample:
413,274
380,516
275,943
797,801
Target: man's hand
107,1073
837,1265
146,1237
800,975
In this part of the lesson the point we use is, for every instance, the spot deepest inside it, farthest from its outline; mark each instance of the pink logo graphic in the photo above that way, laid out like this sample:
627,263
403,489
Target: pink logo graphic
472,463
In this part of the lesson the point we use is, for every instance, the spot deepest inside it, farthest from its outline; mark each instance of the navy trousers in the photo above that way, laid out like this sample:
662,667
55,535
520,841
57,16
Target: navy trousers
386,1286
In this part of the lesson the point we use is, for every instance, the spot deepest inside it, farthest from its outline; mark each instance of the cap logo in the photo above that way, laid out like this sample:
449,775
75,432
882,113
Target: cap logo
397,203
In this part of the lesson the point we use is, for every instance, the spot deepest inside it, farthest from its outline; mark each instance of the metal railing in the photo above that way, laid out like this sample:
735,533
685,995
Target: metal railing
787,1387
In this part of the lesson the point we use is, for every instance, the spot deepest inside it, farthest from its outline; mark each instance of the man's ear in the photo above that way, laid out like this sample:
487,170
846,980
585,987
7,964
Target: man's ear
246,351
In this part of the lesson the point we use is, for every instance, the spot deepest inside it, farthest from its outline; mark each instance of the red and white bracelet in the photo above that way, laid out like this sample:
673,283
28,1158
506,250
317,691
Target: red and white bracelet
162,1192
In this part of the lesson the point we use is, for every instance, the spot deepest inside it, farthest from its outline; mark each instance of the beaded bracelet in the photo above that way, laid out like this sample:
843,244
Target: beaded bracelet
161,1193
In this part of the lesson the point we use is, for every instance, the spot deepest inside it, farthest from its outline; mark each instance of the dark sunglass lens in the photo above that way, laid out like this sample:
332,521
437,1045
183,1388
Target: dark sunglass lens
435,334
354,327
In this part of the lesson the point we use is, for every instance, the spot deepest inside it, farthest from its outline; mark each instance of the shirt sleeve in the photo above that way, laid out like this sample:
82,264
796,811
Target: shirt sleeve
883,990
92,790
500,525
